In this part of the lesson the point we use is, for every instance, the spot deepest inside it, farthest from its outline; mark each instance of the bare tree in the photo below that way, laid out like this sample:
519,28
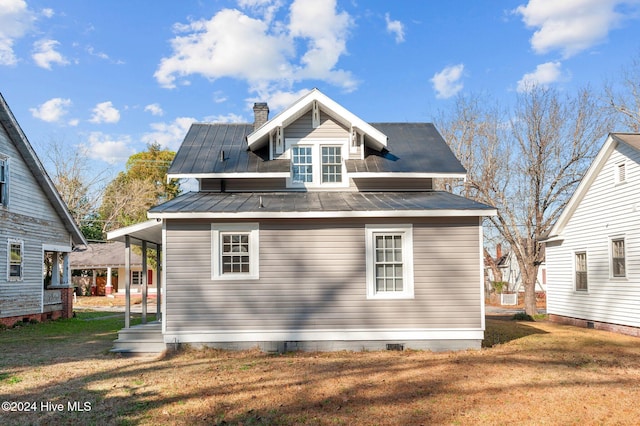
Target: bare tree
624,100
526,163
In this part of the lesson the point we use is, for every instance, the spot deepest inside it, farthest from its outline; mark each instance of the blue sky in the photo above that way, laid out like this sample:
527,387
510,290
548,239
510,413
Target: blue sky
113,76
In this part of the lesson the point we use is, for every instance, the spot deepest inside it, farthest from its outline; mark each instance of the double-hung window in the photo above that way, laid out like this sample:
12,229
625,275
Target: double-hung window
581,271
301,164
4,180
618,263
235,251
389,263
15,260
331,164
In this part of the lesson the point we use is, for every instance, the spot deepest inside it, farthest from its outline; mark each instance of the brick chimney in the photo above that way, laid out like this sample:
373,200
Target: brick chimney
261,114
498,251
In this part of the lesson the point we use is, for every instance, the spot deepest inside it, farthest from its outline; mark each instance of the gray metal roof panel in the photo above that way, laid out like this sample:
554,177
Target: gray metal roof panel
244,202
412,148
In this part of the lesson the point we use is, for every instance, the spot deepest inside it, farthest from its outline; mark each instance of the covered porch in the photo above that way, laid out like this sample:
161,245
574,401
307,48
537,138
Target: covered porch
148,236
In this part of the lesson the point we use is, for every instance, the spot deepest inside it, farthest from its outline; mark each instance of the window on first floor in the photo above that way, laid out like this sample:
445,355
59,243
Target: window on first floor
581,271
389,252
15,260
235,251
618,264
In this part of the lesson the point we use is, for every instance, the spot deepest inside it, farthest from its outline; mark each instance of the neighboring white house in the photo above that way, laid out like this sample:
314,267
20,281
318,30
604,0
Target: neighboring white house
508,265
593,251
37,233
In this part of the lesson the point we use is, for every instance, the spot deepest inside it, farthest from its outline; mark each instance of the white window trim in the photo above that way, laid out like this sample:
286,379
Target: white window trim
407,254
575,270
217,229
316,145
626,272
11,241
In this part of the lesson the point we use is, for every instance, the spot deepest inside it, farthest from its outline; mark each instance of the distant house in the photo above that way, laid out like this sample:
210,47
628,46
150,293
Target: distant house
509,268
103,267
37,233
593,251
315,230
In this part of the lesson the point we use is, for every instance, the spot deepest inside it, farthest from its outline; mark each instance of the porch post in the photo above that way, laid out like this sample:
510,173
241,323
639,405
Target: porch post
66,270
158,283
127,281
109,287
55,269
144,281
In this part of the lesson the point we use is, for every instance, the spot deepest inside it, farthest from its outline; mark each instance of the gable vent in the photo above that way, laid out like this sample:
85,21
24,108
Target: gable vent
622,173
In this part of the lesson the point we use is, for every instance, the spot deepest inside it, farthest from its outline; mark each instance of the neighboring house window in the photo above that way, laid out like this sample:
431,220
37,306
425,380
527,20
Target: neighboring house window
136,277
621,173
389,251
4,181
235,251
331,164
581,271
15,261
618,257
302,164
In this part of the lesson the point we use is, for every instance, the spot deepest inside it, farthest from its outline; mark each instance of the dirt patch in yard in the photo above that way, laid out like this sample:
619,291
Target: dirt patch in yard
530,373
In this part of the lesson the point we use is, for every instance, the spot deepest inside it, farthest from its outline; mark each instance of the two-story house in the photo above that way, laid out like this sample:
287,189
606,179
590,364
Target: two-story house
315,230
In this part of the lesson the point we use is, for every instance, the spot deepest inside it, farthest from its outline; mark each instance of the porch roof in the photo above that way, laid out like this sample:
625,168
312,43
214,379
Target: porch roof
149,231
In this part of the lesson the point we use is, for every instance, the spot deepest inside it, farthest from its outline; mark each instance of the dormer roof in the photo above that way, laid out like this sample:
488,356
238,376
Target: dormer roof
374,138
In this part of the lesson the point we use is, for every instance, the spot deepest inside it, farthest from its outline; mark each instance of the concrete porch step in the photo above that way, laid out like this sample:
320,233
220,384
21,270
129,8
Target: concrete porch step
143,338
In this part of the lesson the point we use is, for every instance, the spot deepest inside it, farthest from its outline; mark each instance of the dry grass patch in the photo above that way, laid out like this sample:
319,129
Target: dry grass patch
534,373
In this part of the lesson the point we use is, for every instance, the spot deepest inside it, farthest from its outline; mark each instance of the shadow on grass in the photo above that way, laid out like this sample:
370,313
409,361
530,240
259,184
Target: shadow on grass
502,329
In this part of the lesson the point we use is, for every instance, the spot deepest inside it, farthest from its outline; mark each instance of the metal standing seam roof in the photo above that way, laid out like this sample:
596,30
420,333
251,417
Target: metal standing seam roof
95,256
411,148
327,203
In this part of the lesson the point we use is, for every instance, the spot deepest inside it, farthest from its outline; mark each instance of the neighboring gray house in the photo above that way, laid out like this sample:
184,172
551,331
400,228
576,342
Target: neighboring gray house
593,251
36,232
315,230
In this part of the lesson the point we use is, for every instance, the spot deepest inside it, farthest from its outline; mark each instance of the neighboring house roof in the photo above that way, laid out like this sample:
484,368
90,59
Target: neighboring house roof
415,149
318,205
19,139
613,140
99,256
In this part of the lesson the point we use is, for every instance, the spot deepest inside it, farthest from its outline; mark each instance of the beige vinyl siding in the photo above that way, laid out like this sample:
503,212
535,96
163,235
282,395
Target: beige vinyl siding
328,128
312,276
607,210
31,219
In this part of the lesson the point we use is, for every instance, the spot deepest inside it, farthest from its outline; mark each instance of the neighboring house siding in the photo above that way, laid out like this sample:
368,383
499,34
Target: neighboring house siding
312,276
328,128
29,218
243,185
607,210
387,184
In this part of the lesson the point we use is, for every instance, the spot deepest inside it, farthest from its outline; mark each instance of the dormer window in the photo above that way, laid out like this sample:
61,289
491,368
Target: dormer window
316,163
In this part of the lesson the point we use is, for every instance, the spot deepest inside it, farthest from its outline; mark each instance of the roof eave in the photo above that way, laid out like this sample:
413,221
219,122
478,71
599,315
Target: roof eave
325,214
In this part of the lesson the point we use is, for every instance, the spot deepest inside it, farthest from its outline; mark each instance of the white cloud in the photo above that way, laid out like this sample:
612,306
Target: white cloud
545,74
228,118
15,21
52,110
395,27
48,12
104,112
570,26
169,135
259,49
110,149
154,109
45,54
277,99
447,82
